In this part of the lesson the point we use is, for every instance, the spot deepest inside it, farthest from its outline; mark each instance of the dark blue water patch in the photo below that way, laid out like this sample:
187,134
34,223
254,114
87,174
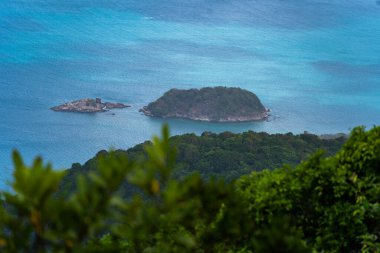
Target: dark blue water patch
284,14
290,14
349,78
24,24
348,70
357,87
4,56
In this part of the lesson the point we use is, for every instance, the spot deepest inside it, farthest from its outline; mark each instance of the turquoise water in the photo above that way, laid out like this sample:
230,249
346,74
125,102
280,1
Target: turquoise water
316,64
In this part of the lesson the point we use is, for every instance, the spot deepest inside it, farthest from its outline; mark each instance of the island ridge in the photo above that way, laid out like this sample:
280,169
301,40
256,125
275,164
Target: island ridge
216,104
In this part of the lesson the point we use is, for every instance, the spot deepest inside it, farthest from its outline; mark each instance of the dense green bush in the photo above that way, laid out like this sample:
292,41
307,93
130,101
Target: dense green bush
334,201
325,204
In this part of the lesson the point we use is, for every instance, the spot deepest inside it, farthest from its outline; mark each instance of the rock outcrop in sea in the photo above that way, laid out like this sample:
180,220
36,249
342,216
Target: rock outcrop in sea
88,105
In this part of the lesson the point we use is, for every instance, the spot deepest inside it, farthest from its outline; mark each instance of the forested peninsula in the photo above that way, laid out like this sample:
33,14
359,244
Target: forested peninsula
226,155
216,104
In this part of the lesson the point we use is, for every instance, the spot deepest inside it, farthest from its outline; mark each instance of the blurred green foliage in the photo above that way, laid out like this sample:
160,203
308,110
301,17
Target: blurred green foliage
334,201
326,204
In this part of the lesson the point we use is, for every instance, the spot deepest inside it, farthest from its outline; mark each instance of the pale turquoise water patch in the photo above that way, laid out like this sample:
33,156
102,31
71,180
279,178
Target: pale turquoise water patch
316,64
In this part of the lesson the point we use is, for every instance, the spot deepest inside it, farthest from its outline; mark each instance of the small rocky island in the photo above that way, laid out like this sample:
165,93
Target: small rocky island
88,105
218,104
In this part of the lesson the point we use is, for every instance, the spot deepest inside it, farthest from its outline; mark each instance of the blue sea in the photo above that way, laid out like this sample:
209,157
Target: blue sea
315,63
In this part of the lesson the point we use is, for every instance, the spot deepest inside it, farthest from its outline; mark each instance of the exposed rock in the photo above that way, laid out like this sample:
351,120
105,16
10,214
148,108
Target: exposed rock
88,105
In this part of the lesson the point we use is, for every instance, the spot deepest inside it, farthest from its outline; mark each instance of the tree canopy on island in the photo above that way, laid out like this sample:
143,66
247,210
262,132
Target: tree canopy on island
325,204
219,104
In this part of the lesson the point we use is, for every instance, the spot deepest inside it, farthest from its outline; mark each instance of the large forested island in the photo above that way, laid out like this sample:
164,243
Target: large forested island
218,104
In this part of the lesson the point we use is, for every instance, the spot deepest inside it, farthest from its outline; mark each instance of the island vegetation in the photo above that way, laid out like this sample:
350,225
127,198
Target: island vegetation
324,204
88,105
217,104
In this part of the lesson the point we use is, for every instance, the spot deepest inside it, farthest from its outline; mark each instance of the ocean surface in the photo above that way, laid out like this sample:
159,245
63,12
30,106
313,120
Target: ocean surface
315,63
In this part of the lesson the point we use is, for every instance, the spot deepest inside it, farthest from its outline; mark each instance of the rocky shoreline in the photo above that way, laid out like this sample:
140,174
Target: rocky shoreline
88,105
258,117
